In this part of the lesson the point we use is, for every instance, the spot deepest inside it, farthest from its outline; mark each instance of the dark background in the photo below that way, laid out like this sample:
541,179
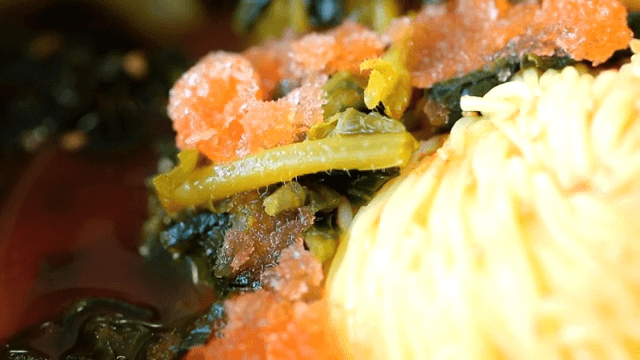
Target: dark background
71,212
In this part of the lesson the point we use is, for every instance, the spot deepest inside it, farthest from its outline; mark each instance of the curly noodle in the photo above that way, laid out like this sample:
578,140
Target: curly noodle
518,239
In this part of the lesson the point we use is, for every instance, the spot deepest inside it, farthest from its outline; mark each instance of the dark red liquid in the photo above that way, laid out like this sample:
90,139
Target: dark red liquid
70,228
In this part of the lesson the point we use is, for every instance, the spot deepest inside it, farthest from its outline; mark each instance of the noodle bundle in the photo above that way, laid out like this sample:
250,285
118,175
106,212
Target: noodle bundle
518,239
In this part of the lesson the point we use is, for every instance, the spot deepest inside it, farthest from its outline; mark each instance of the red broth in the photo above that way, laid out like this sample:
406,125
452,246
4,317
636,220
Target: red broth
70,228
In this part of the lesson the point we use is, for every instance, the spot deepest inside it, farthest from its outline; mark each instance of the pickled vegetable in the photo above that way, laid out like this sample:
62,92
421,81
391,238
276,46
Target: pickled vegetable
443,99
361,152
229,247
289,196
343,91
358,187
390,81
322,244
269,19
352,122
256,239
247,13
326,13
389,84
166,184
322,198
102,328
376,13
266,19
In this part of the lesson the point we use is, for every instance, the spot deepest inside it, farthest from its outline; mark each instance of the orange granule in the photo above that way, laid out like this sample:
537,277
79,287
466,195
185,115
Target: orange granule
262,326
461,36
343,48
340,49
286,320
271,61
220,105
217,107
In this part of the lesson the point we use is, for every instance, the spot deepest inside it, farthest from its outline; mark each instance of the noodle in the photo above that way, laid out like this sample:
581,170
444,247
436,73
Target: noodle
518,239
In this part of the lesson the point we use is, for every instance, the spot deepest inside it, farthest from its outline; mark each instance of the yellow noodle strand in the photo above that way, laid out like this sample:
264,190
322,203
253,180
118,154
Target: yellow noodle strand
518,239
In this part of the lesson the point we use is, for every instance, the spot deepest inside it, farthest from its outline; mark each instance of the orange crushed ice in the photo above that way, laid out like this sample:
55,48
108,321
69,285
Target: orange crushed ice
220,106
286,320
341,49
460,36
217,107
